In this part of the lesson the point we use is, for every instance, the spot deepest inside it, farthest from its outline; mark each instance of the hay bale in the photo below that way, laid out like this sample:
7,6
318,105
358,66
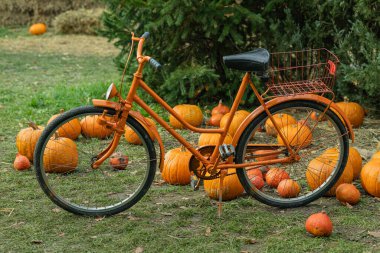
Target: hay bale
78,22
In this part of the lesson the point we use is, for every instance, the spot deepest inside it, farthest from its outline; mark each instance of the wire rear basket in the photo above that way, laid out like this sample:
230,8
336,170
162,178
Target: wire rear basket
302,72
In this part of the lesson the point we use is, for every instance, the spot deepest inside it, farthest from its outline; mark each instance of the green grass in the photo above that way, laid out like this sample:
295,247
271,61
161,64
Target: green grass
169,218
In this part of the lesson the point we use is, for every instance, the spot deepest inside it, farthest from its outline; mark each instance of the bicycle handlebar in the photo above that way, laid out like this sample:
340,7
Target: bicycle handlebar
140,58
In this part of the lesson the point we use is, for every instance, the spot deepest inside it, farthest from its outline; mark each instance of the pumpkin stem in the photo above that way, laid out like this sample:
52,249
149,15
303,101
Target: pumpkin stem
33,125
183,149
345,98
61,111
220,101
56,135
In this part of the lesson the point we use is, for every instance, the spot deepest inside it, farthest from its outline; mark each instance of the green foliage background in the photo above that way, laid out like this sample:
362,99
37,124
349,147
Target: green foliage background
190,37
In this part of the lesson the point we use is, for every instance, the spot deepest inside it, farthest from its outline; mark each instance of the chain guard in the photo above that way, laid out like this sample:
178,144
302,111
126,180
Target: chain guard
198,168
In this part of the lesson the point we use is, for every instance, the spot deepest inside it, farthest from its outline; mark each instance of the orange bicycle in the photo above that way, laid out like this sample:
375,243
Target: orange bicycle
306,138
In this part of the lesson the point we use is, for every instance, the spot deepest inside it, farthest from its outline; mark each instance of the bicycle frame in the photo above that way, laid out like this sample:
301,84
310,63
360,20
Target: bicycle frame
125,107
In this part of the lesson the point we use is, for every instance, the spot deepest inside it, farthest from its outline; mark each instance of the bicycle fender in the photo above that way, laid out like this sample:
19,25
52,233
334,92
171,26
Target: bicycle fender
279,100
153,133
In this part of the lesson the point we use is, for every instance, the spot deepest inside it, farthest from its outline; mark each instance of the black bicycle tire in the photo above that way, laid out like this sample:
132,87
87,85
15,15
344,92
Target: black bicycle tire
290,203
71,208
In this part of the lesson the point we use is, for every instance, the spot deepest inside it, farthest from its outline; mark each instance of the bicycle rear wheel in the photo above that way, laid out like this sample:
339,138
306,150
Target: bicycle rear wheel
323,154
64,171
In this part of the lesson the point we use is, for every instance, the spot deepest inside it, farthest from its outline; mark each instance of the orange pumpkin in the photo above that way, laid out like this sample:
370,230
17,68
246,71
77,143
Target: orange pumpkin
215,119
281,119
317,117
220,109
254,172
118,161
354,159
21,162
370,178
60,155
71,129
176,166
37,29
238,118
297,135
231,187
26,140
192,114
132,137
347,193
257,181
263,156
319,224
353,111
320,168
376,156
92,129
274,176
212,139
288,188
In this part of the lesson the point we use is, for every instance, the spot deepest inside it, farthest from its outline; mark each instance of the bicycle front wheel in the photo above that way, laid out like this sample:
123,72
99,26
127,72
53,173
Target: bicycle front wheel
63,164
322,145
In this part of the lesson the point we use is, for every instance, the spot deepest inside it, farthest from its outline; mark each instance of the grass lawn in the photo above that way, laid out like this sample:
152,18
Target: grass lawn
40,75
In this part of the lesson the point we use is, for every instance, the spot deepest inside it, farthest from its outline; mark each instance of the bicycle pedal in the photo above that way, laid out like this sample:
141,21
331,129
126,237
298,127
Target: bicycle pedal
195,182
226,150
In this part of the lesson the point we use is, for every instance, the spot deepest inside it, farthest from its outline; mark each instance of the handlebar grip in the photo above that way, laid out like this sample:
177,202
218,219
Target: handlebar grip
145,35
155,64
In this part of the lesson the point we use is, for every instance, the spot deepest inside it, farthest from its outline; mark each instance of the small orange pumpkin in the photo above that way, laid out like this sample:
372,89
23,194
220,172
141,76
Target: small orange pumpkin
215,119
212,139
263,156
297,135
37,29
176,166
319,224
21,162
60,155
220,109
317,117
347,193
26,140
231,187
92,129
353,111
281,119
288,188
71,129
118,161
370,178
274,176
257,181
238,118
192,114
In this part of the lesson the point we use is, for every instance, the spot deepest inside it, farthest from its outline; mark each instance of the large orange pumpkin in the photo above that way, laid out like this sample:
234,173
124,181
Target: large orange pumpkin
281,119
296,134
376,156
353,111
354,159
176,166
231,187
27,138
92,129
60,155
192,114
319,224
370,178
132,137
320,168
71,129
212,139
37,29
238,118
